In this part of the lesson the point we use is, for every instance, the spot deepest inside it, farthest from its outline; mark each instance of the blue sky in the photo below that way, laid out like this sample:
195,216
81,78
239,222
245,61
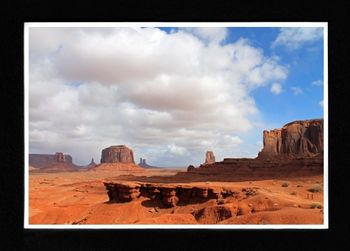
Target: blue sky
305,66
170,93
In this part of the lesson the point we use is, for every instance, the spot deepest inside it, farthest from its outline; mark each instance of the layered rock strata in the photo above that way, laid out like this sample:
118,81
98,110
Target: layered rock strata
302,138
169,195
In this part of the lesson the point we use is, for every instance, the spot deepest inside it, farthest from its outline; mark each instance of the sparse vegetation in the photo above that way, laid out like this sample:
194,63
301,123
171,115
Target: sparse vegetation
316,205
293,193
316,189
299,185
285,184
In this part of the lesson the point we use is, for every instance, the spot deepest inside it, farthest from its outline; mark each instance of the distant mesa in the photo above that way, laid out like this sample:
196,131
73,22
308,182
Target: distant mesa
44,160
117,154
51,162
144,164
209,158
118,157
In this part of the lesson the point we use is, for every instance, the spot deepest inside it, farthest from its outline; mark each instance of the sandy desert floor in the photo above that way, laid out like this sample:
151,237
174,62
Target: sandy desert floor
81,198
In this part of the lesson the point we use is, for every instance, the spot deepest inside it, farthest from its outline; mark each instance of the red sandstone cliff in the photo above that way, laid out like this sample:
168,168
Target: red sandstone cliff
302,138
296,148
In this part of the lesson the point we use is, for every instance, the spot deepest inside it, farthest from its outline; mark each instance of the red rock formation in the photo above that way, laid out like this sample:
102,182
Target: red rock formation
57,162
295,149
169,195
144,164
45,160
92,164
209,158
295,139
117,154
190,168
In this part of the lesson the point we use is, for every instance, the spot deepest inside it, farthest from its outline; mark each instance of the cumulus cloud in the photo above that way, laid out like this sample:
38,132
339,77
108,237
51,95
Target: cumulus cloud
276,88
297,90
295,37
209,34
317,82
162,94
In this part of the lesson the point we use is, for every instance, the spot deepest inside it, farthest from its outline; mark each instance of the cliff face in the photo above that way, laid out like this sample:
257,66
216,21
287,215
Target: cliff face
117,154
294,149
167,194
295,139
45,160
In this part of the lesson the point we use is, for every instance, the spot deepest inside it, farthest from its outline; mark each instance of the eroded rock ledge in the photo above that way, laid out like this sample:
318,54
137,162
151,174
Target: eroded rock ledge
169,195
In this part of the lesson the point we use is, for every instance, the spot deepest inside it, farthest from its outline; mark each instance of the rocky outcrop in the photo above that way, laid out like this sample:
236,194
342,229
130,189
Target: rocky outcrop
144,164
168,195
117,154
190,168
302,138
92,164
45,160
209,158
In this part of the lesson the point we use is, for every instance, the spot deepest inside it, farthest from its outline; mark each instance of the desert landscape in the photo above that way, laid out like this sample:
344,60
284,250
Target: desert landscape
282,185
213,125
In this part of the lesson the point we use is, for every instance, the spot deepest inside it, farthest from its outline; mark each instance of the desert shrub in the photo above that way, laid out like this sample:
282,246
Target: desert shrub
299,185
293,193
316,205
316,189
285,184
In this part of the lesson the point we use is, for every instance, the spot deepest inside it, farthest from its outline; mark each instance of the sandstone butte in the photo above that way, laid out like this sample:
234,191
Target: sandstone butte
144,164
118,157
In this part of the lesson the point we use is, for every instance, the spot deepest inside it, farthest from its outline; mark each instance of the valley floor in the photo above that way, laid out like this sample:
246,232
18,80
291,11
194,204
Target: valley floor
81,198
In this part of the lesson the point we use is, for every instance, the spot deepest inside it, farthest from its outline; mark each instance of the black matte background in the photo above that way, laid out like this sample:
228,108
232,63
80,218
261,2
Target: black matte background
13,14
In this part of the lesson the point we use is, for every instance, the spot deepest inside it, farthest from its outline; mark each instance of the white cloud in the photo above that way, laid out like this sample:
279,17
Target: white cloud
91,88
295,37
178,150
276,88
209,34
317,82
297,90
321,103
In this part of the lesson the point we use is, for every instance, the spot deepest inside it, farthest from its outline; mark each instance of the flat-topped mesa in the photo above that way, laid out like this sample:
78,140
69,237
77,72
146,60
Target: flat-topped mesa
45,160
117,154
302,138
209,158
